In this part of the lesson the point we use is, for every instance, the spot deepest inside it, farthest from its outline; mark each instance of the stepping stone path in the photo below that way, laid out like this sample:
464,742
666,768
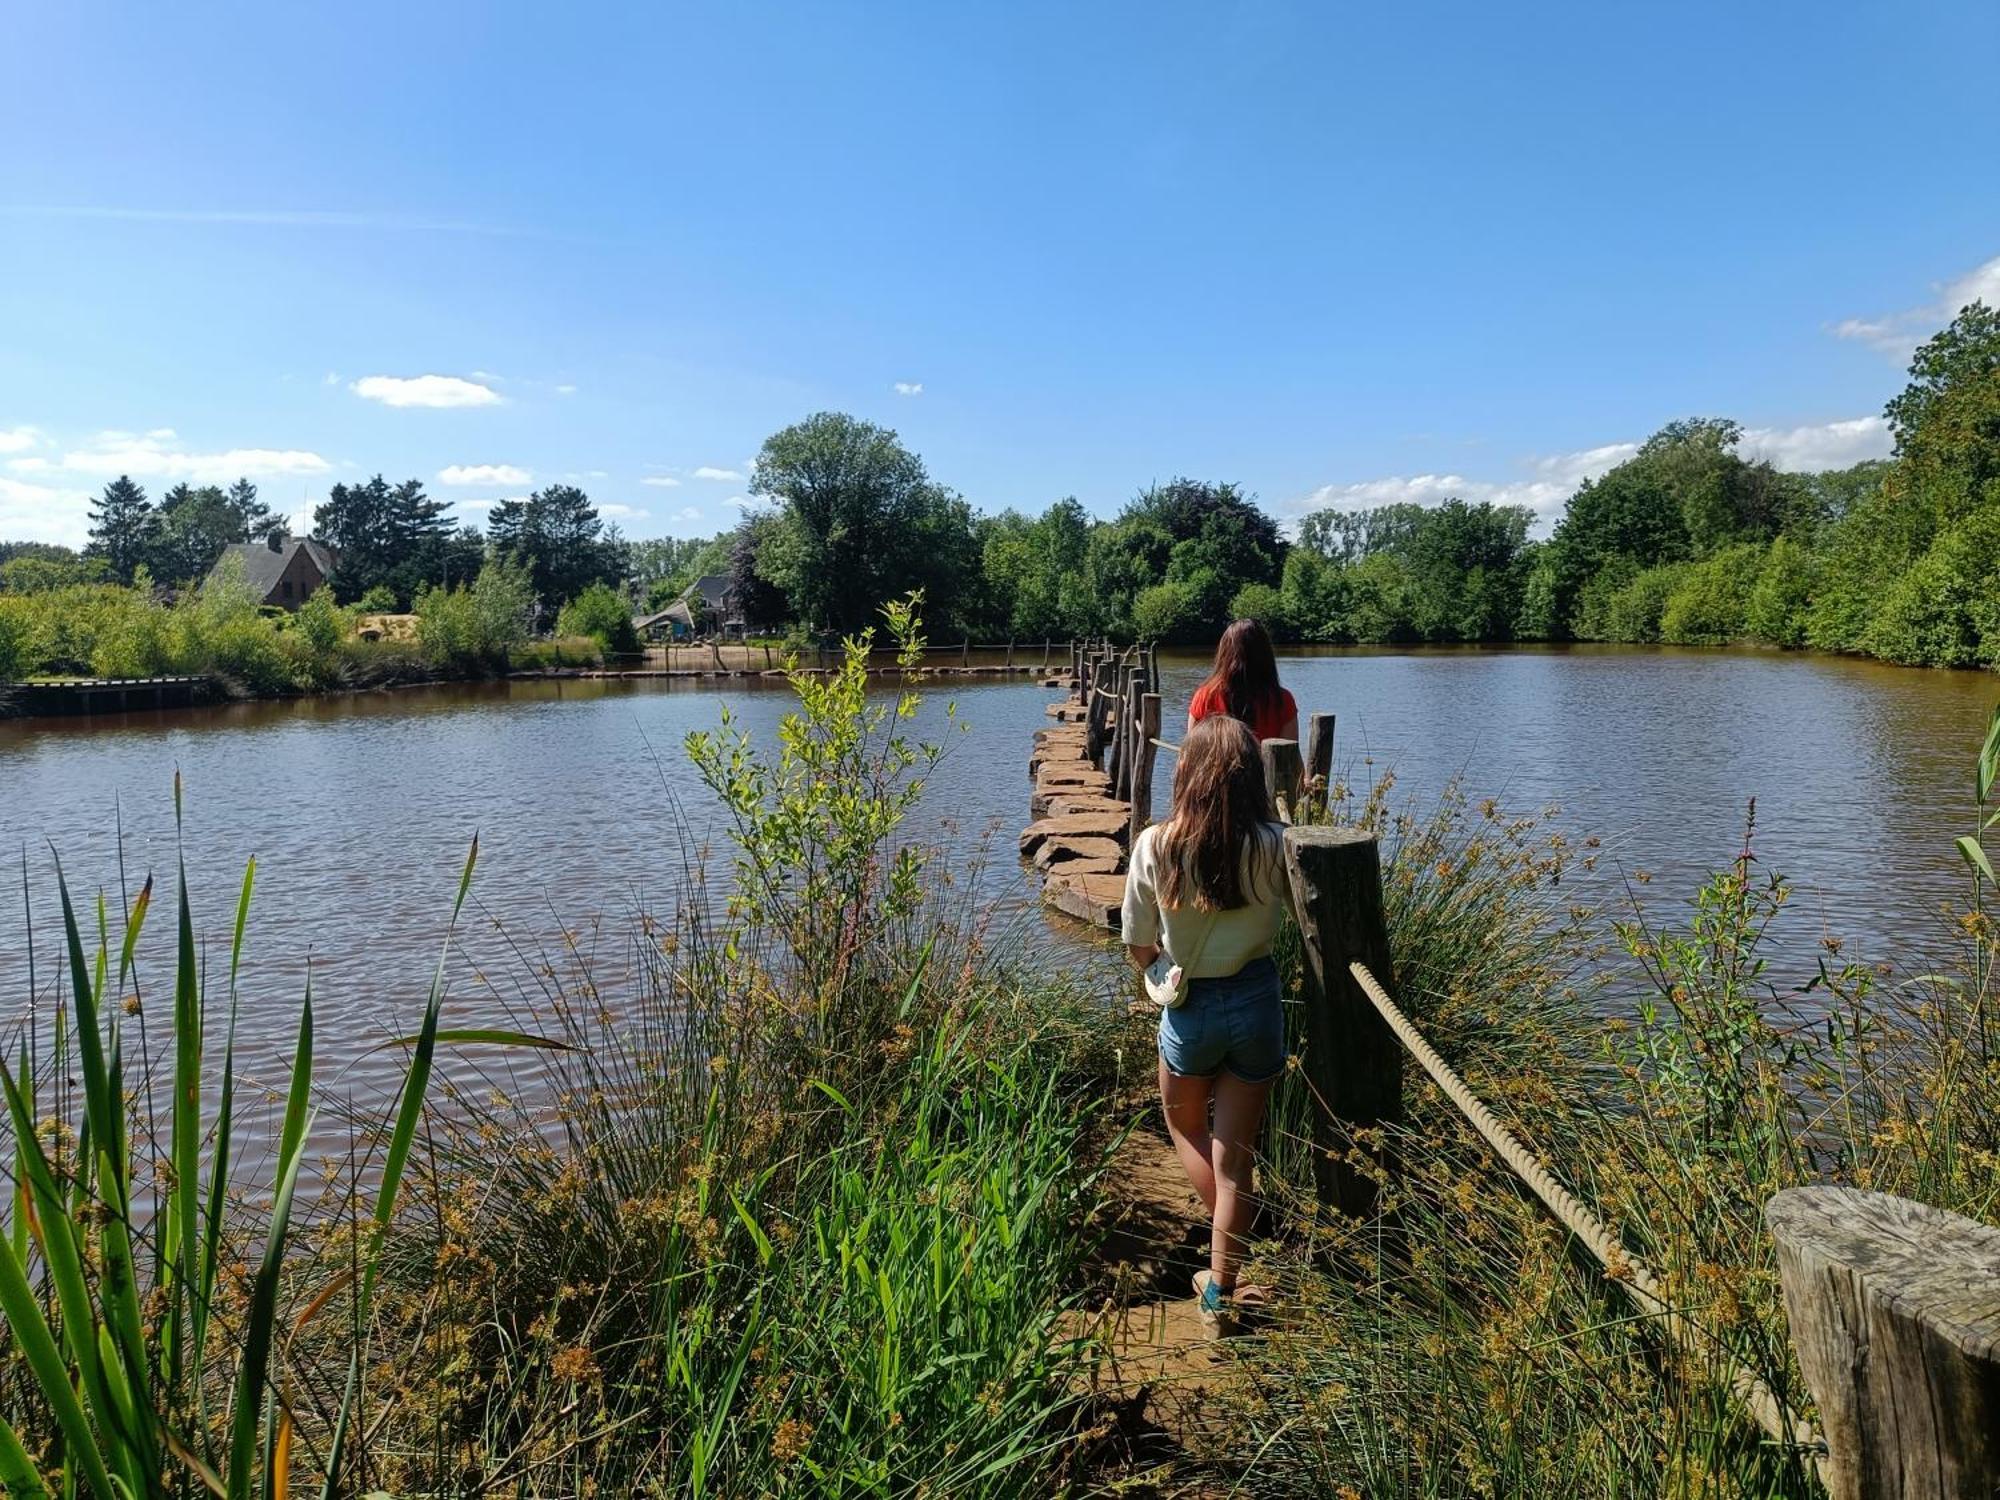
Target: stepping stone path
1080,830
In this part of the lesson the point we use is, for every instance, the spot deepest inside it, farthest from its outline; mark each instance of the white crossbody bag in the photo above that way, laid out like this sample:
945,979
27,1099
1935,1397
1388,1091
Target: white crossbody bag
1167,980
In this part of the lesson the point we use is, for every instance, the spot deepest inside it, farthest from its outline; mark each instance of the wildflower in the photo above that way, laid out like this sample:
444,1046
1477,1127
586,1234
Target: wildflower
791,1439
576,1363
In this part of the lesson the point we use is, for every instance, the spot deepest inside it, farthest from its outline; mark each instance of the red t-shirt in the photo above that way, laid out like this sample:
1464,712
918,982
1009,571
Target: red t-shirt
1267,723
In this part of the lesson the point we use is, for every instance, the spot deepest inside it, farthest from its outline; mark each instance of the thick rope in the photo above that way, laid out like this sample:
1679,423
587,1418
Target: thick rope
1638,1280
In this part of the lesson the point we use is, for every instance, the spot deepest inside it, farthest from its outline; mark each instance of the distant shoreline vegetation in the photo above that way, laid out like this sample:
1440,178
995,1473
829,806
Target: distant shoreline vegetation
1686,543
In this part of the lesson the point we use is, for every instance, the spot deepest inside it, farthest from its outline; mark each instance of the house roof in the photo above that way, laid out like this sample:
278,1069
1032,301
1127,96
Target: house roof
713,588
678,610
262,568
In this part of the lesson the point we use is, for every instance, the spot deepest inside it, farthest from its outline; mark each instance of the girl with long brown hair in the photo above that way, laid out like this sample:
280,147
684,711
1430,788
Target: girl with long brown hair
1208,885
1244,684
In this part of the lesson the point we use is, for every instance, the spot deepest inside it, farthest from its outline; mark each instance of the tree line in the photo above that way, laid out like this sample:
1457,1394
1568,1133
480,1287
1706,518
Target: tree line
1686,542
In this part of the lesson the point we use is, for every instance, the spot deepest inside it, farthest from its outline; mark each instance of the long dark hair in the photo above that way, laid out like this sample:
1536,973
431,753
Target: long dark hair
1221,807
1245,676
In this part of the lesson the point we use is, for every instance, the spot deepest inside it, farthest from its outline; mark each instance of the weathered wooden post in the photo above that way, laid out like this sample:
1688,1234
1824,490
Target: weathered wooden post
1010,653
1094,711
1319,758
1121,724
1135,745
1142,769
1283,771
1353,1063
1895,1314
1047,646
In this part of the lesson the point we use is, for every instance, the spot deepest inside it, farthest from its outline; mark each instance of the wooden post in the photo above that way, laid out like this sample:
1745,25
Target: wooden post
1128,714
1142,768
1047,646
1010,653
1353,1061
1121,722
1319,758
965,653
1283,771
767,656
1093,714
715,645
1895,1314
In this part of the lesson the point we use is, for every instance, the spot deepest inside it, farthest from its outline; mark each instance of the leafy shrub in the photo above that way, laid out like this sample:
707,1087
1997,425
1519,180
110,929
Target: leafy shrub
1707,604
1633,612
476,629
1169,612
13,641
1782,594
1945,611
601,613
378,600
1264,604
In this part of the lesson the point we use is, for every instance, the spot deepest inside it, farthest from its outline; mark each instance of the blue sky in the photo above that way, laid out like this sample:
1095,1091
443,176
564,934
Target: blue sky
1336,253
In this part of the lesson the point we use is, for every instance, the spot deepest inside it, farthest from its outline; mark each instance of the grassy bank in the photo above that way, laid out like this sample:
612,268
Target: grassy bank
220,632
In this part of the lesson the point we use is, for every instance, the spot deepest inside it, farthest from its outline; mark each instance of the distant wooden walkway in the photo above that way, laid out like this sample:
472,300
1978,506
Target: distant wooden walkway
102,695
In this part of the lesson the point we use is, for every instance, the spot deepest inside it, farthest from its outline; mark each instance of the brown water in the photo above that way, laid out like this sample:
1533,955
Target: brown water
359,809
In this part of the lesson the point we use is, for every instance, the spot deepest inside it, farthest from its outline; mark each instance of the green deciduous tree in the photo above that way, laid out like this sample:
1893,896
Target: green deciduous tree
861,523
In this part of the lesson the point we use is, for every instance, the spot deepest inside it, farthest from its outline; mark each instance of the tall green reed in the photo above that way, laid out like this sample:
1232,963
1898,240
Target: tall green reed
152,1371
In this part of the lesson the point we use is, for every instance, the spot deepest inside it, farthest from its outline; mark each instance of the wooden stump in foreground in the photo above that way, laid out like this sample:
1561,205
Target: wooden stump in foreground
1895,1314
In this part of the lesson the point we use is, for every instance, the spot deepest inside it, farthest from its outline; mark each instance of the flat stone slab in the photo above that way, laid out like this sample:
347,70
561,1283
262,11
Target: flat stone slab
1075,826
1098,865
1058,753
1061,806
1079,773
1097,899
1063,849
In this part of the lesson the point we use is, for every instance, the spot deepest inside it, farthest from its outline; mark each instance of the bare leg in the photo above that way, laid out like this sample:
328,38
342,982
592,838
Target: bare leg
1186,1102
1239,1111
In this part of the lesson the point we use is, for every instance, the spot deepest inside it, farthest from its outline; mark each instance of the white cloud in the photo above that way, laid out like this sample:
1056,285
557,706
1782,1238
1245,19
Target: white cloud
1897,334
661,481
18,439
483,474
110,454
479,504
1551,479
708,471
331,377
909,387
488,375
565,390
1831,445
425,390
38,513
687,513
623,512
741,502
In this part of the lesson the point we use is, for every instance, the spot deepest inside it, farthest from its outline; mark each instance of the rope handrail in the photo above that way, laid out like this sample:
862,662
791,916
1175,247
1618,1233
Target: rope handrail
1637,1278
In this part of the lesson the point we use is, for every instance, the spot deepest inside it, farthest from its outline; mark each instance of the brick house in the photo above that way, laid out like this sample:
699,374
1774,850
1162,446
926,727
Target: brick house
281,570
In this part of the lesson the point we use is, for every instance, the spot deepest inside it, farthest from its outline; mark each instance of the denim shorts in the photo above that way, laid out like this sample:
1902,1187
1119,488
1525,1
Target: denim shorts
1234,1022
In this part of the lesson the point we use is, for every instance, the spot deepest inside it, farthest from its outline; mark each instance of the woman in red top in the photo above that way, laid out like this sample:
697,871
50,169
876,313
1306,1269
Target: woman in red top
1244,685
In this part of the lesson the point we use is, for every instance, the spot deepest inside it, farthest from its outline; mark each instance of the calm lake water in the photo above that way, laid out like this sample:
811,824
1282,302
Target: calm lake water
359,809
